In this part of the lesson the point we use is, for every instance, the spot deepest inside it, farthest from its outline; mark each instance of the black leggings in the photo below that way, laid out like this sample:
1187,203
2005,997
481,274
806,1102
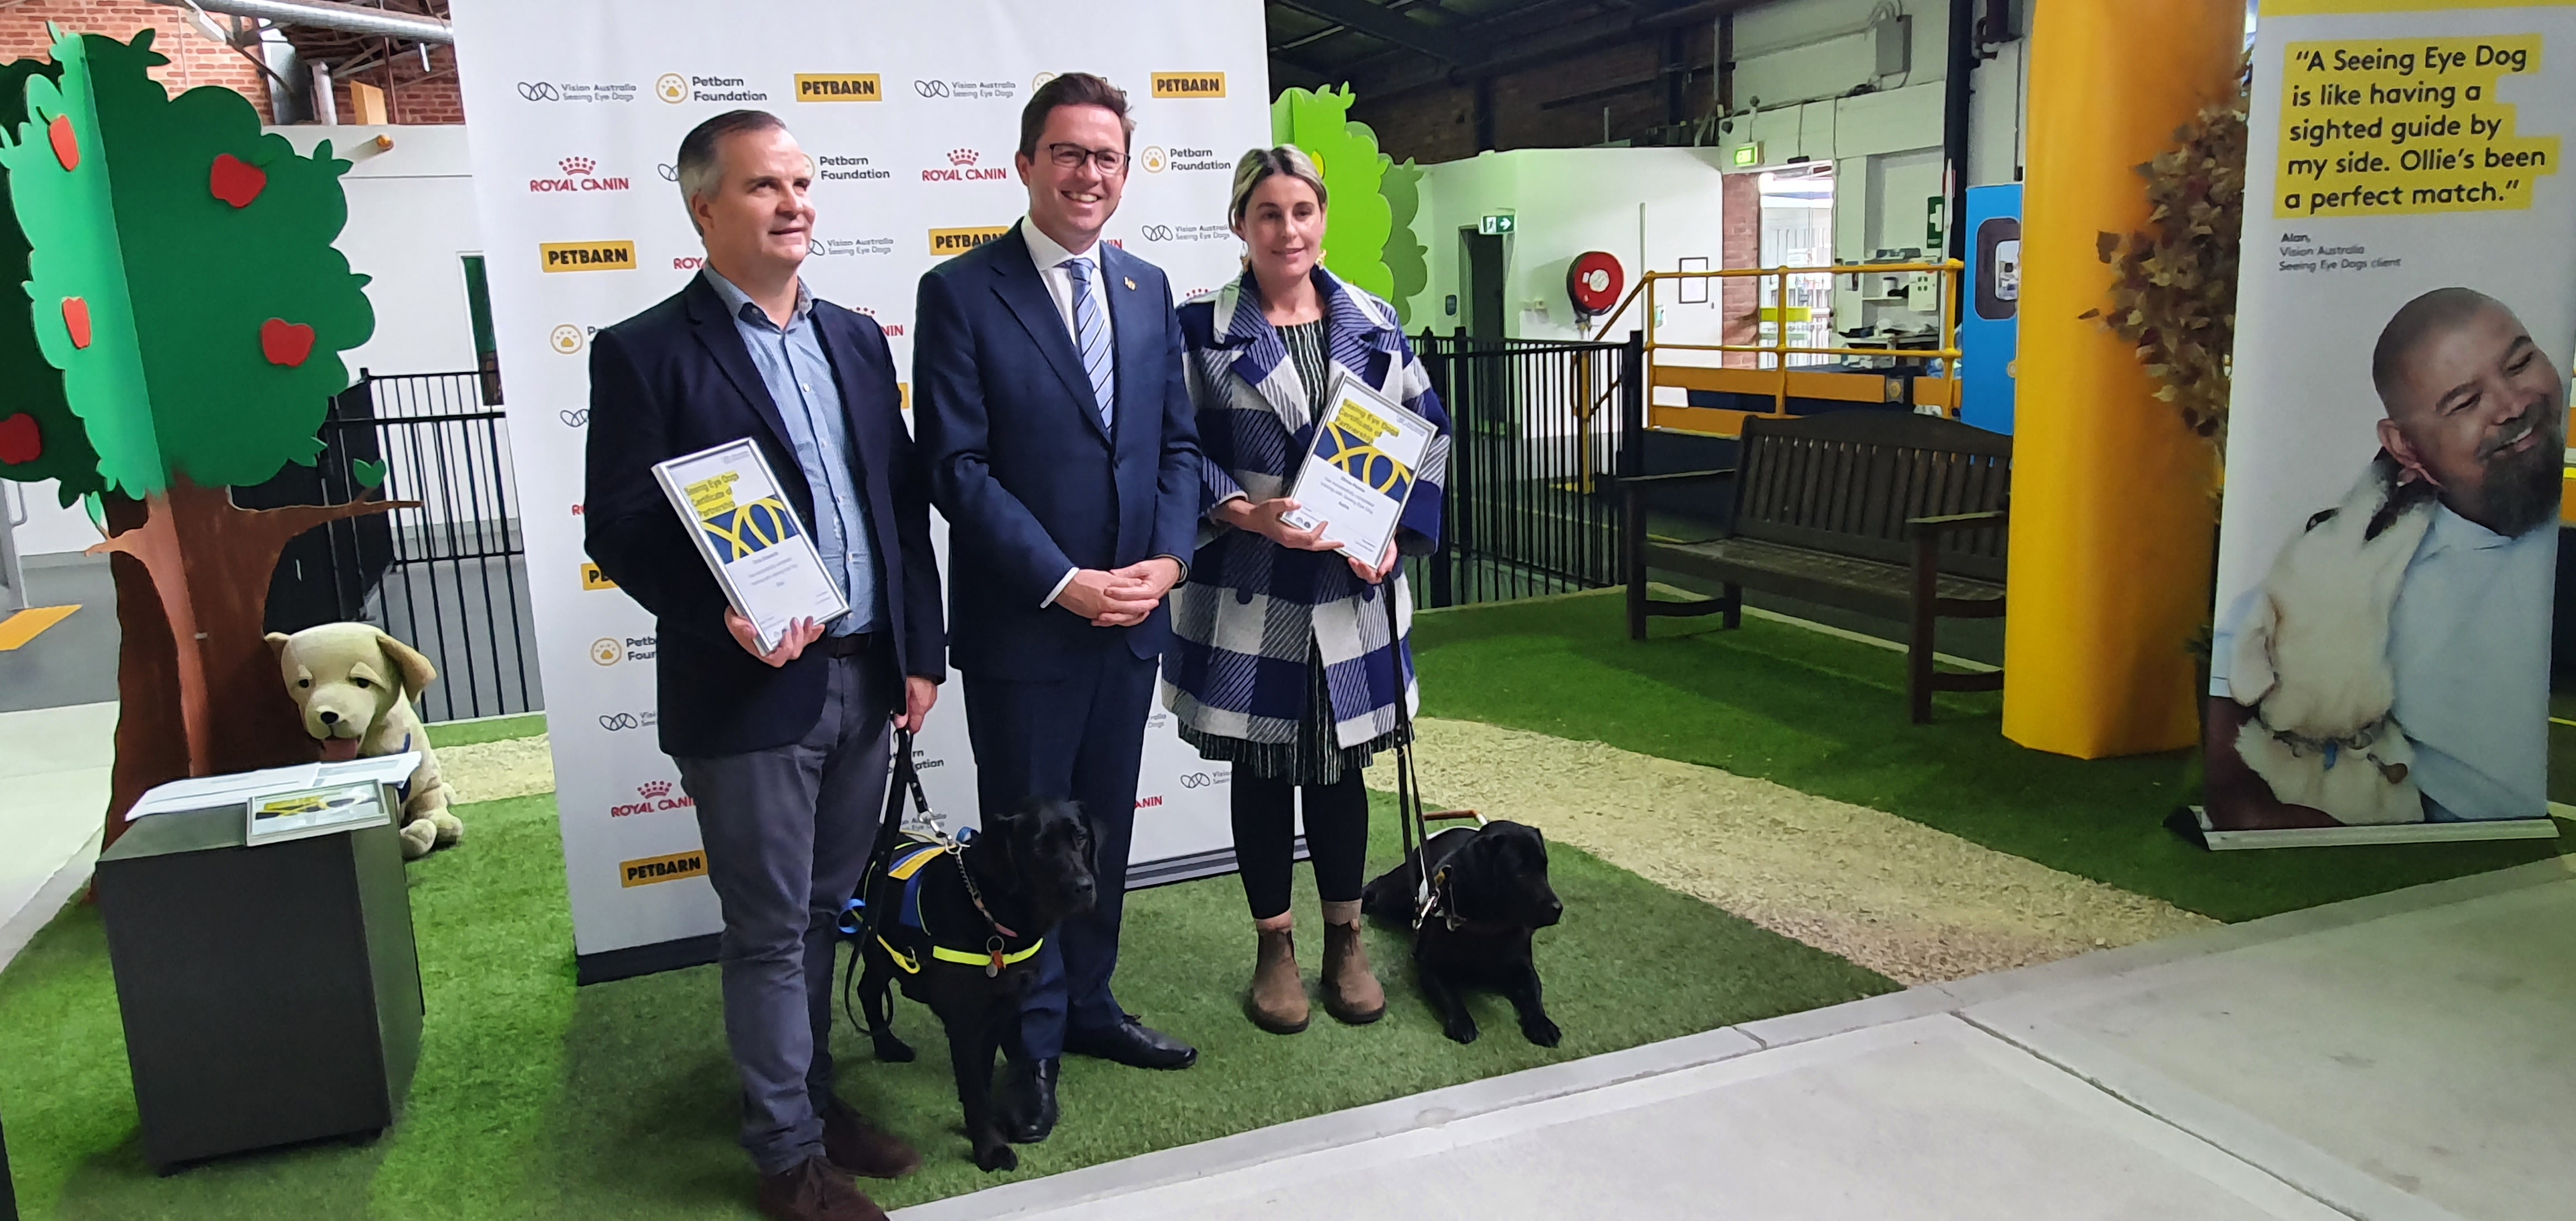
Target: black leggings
1265,838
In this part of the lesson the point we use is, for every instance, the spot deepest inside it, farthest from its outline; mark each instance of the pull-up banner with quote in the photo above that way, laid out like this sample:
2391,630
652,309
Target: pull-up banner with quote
911,113
2406,310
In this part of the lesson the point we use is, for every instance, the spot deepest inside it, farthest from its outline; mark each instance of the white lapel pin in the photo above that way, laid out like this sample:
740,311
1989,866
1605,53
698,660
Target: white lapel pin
1131,283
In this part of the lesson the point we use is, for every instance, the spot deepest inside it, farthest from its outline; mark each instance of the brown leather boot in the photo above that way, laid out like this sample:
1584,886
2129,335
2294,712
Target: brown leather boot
813,1191
1278,1002
1351,991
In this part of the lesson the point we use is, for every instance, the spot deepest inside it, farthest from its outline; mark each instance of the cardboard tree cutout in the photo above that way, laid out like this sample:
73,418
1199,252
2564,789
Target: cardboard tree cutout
1356,222
189,310
1407,262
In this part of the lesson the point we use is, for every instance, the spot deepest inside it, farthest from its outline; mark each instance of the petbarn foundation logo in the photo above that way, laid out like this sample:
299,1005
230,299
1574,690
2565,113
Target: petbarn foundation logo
1182,160
567,339
834,167
962,167
944,242
588,256
652,796
663,868
1189,84
676,88
839,87
610,650
966,91
593,579
577,91
576,174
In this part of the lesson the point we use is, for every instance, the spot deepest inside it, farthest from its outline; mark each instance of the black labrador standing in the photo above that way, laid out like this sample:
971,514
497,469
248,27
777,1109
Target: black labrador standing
1489,893
958,929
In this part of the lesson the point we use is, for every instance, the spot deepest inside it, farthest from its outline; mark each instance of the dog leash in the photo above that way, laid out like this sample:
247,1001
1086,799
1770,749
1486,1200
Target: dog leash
1408,789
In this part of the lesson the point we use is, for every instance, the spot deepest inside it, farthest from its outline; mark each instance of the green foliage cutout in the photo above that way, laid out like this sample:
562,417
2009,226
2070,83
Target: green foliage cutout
48,442
1356,224
1407,259
199,253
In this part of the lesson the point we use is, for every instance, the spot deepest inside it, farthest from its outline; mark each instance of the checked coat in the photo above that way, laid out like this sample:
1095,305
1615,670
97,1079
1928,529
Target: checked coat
1244,624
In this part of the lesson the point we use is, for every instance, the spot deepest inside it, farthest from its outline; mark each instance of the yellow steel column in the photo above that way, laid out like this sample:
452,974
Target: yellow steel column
2111,528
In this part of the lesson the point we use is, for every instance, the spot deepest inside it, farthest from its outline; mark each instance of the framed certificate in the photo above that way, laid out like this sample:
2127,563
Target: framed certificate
1358,474
761,555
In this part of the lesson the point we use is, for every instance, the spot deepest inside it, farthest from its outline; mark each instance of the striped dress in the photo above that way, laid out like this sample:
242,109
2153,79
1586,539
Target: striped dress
1315,757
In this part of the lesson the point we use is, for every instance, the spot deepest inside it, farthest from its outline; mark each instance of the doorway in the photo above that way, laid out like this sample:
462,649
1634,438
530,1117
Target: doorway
1798,231
1480,262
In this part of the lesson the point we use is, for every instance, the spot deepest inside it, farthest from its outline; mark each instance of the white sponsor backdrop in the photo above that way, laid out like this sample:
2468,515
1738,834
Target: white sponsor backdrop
576,108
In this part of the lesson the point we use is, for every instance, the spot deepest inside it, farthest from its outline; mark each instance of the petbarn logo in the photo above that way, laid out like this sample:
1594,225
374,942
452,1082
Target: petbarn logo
573,91
832,167
959,241
1189,84
675,88
620,722
588,256
967,91
578,174
961,167
839,87
610,650
593,579
657,795
567,339
663,868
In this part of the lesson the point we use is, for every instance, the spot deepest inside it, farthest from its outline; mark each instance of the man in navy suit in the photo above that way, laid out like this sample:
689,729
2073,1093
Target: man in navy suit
784,751
1062,449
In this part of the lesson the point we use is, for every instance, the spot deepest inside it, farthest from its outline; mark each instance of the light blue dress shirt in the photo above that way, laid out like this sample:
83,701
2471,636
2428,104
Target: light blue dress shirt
2468,641
799,377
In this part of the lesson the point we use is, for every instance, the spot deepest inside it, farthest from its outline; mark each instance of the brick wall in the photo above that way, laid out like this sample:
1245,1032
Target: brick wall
194,59
1741,246
417,95
1532,108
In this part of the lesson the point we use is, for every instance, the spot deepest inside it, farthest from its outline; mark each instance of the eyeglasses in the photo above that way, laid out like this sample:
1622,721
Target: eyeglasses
1071,157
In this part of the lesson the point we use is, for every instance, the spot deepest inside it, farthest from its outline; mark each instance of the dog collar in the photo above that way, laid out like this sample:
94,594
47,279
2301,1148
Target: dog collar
2359,742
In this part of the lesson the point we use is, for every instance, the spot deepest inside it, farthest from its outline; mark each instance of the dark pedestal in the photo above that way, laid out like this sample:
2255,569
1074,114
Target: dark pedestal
271,995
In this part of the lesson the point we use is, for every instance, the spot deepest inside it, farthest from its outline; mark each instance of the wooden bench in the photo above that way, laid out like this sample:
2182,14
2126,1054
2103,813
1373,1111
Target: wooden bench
1882,512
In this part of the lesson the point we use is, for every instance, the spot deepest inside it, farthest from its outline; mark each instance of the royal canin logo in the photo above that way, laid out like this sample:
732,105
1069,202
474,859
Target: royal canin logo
579,174
657,795
893,330
1147,803
962,168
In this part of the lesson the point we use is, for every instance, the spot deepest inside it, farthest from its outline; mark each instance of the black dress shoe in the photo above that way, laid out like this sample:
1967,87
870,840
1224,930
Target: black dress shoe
1028,1101
1133,1044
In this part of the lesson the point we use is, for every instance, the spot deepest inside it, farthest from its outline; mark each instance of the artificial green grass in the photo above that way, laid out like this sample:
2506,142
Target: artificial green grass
487,729
1827,716
535,1099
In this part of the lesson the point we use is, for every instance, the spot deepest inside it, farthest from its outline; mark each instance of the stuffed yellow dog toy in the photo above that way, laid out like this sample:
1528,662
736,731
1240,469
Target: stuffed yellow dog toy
354,685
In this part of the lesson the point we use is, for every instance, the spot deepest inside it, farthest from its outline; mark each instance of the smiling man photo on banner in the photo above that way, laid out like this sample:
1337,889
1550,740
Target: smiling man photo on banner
2393,666
1059,434
784,750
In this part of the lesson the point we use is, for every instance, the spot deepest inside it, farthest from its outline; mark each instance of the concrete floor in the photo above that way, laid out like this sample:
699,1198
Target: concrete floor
2403,1056
54,765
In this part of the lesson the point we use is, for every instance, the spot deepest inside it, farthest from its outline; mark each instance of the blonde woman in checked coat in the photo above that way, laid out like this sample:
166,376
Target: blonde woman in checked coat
1280,661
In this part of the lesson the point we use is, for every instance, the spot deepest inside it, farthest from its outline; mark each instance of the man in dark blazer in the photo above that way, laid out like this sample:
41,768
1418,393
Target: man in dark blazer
784,751
1062,449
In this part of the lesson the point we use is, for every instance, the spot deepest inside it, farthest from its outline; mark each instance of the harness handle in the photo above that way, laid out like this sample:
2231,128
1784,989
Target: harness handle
1408,789
904,779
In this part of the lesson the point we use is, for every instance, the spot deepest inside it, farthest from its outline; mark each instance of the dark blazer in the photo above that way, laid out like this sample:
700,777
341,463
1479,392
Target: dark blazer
1019,464
676,379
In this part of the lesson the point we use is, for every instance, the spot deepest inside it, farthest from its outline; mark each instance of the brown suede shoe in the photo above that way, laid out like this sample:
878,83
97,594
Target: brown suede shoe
1351,991
1278,1002
864,1149
813,1191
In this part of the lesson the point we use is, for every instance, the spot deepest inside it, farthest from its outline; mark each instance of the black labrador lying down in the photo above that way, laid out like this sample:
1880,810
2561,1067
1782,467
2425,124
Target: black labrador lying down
1489,891
959,931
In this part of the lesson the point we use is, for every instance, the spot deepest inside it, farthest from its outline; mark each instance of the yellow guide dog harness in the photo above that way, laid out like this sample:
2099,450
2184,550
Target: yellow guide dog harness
906,868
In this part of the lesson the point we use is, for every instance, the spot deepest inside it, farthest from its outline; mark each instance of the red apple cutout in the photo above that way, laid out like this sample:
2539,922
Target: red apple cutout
285,343
21,441
76,320
66,145
237,182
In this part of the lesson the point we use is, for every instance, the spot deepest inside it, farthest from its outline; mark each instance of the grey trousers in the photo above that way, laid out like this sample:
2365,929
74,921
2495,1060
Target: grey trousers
787,832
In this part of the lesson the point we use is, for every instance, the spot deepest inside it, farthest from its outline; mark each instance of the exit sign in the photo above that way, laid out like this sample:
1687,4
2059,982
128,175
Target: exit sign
1748,155
1495,224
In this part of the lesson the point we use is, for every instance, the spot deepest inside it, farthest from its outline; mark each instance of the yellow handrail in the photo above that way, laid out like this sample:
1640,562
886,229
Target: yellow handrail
1781,349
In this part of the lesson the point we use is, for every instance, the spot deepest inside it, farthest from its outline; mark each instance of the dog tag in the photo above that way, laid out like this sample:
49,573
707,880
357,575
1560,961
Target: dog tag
993,968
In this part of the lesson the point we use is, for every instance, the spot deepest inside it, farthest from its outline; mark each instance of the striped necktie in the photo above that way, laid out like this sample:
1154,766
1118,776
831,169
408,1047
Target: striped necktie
1091,335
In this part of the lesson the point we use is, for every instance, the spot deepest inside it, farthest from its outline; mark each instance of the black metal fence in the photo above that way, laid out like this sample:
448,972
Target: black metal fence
1537,443
449,577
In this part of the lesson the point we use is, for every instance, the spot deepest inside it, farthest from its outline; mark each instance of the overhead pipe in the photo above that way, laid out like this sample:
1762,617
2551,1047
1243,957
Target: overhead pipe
330,15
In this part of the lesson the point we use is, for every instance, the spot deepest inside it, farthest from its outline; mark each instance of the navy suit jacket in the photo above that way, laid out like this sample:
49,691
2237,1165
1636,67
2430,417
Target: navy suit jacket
677,379
1030,482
